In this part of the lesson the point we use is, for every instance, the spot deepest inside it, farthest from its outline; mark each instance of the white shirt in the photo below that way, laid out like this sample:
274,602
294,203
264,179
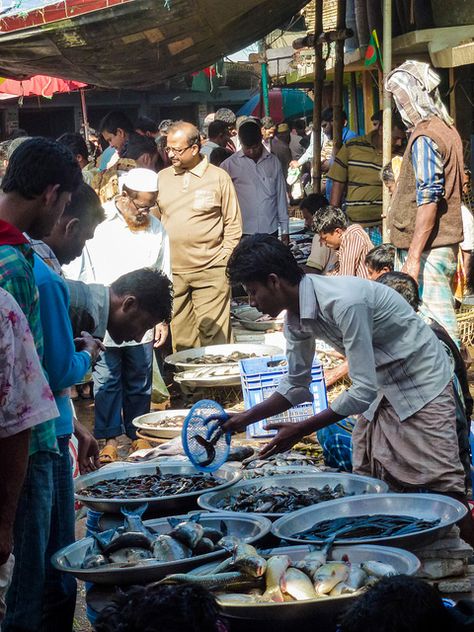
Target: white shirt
467,229
261,190
115,250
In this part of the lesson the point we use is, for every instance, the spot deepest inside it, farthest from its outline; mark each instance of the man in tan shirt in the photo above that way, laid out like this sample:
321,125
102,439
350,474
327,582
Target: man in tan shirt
201,214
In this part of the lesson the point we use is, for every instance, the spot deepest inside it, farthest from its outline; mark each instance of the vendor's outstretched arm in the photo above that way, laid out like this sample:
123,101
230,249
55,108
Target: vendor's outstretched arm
290,433
274,405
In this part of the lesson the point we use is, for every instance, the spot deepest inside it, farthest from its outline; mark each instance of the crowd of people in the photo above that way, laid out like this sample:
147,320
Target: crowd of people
109,257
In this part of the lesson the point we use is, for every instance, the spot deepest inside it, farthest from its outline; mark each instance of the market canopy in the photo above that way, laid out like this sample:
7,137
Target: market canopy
129,43
285,103
39,85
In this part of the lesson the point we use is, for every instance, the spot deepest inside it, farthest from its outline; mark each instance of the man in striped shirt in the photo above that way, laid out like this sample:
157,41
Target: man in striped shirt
351,242
356,175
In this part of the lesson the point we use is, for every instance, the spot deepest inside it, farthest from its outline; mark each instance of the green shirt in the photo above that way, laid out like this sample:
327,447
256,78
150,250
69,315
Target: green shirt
16,277
358,164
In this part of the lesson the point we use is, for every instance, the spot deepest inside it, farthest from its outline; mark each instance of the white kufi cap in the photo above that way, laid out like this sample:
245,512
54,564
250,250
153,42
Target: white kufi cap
144,180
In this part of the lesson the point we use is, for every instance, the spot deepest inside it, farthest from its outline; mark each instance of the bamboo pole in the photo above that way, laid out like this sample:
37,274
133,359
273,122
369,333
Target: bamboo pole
319,72
387,109
338,83
85,119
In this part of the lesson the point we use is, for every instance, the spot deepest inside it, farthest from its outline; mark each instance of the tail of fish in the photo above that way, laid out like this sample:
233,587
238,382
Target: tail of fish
133,518
223,528
135,511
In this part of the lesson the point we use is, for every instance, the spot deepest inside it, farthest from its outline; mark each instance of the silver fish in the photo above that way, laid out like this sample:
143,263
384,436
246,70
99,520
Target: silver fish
298,585
378,569
274,578
357,578
205,545
211,582
329,575
232,598
188,532
167,549
129,556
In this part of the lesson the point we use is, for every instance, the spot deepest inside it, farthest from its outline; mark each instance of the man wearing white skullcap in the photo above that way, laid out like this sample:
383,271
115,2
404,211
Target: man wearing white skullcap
425,220
130,238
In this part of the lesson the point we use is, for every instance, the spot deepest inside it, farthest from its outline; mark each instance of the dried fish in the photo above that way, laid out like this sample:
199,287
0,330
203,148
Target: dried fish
235,356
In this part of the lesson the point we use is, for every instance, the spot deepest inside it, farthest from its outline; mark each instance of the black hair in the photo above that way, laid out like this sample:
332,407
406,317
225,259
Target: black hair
398,604
18,133
139,145
146,124
76,144
377,116
328,115
300,126
405,285
381,257
115,120
226,115
386,174
193,135
38,163
328,218
164,608
217,127
250,134
267,122
313,202
218,155
257,256
85,204
152,289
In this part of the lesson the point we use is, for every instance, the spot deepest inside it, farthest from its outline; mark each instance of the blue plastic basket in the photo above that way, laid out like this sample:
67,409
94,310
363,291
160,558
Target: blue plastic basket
261,376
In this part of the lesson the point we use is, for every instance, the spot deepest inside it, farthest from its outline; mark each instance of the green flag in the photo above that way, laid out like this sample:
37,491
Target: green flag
373,50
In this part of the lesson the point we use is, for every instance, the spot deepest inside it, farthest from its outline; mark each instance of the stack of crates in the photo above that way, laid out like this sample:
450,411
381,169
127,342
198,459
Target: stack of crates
260,378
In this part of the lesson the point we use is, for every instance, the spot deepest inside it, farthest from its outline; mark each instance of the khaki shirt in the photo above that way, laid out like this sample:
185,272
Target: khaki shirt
201,214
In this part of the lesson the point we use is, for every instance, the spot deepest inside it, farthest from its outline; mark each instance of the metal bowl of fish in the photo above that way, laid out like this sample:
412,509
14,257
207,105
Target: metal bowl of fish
163,424
209,376
276,495
219,355
140,552
255,320
297,581
171,487
405,520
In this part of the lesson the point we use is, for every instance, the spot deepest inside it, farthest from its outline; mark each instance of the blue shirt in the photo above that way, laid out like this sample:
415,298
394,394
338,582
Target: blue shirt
64,365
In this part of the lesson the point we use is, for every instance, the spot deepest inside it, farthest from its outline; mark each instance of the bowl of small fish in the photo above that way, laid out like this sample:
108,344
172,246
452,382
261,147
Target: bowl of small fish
140,552
296,581
282,470
275,496
171,487
209,376
163,424
219,355
404,520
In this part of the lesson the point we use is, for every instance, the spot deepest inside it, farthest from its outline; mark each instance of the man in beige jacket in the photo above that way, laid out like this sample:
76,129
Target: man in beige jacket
200,212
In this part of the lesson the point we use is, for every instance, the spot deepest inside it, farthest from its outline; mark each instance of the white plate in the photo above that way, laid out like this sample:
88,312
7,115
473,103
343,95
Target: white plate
150,423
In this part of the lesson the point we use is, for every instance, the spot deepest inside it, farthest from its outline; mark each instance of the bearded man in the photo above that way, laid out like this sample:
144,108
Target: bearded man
130,238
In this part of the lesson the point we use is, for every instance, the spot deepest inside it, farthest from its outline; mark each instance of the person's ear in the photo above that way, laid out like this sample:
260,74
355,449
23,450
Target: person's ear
129,304
51,194
71,227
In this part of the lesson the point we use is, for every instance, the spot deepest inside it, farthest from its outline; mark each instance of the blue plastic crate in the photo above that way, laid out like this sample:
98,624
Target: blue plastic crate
261,376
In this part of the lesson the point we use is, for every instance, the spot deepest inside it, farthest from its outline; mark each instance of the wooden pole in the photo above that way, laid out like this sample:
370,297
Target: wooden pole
355,103
387,109
338,78
85,120
319,75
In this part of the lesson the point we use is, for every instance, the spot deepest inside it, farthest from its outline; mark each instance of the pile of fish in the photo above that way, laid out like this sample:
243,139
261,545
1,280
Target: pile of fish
235,356
133,543
369,526
286,458
165,422
250,578
151,485
278,499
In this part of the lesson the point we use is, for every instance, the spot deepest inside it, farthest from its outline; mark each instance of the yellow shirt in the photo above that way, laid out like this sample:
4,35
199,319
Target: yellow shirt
201,214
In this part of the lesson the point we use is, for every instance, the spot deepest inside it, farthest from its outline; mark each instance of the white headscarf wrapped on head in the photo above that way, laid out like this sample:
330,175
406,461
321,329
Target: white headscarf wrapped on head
414,86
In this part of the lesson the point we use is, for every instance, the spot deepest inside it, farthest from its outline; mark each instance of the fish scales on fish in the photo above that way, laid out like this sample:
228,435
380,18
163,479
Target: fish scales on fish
285,581
278,499
359,527
133,542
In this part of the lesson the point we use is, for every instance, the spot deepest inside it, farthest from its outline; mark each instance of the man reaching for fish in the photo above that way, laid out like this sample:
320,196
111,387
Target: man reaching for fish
401,378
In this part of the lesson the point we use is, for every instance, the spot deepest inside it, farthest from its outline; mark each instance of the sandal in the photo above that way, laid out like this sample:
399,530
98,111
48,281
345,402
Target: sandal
108,454
139,444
